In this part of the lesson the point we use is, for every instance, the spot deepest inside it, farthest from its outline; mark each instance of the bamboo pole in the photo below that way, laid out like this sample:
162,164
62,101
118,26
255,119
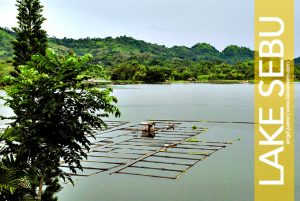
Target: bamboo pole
148,175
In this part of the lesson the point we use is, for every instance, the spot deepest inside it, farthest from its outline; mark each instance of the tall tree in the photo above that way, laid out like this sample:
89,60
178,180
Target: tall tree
56,110
31,38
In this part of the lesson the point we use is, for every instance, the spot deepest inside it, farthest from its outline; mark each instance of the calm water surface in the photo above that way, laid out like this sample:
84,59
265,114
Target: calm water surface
225,176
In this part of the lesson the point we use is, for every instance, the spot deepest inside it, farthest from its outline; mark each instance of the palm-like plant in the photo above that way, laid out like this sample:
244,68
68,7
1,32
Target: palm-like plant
15,174
11,177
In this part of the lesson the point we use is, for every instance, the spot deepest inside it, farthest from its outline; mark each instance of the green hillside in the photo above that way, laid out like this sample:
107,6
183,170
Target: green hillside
297,60
122,48
126,58
6,50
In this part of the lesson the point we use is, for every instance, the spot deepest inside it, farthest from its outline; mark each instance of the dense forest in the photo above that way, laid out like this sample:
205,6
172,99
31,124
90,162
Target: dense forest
125,58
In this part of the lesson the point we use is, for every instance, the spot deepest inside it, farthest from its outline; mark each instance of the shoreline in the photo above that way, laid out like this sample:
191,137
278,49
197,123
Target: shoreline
124,82
129,82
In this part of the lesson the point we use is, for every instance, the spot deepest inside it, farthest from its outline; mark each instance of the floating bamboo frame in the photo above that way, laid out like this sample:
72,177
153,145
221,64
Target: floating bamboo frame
167,155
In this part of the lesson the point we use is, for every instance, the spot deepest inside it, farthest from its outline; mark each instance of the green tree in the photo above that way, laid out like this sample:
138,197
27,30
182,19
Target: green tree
56,110
30,38
158,74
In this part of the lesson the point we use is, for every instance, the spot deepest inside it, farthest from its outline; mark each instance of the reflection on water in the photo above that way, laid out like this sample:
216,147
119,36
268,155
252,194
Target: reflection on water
225,176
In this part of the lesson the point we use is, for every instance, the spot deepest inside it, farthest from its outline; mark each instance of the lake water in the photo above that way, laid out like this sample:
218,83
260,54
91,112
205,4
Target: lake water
225,176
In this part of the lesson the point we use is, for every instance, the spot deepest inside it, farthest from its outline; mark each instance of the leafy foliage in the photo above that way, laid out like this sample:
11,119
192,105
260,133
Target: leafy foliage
9,179
53,187
206,70
55,111
15,173
5,69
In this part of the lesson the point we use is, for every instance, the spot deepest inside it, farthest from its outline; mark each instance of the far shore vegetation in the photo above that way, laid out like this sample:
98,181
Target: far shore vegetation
127,60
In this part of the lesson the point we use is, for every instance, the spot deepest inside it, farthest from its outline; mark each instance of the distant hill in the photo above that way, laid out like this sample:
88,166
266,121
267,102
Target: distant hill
6,36
297,60
111,50
130,59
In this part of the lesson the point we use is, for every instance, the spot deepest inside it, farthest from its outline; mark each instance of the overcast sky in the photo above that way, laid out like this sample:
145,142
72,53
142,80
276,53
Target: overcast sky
166,22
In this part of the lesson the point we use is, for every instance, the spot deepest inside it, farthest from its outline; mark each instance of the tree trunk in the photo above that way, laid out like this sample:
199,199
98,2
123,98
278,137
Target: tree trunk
39,197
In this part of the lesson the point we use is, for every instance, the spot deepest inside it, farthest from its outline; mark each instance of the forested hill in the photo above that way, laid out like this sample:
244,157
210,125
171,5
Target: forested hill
122,48
125,58
6,37
297,60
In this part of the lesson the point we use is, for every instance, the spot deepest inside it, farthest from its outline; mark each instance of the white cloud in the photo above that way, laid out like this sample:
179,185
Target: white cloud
168,22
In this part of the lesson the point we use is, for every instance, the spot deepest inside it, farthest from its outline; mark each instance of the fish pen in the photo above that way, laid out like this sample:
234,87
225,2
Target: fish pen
161,149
